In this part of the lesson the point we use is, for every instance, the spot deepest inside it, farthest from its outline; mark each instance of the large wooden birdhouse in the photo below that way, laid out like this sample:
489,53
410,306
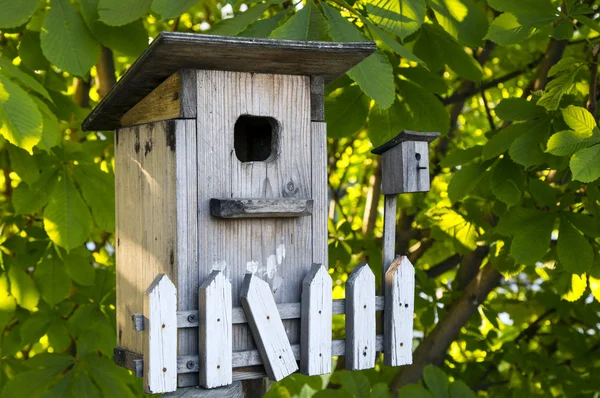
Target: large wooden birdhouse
221,207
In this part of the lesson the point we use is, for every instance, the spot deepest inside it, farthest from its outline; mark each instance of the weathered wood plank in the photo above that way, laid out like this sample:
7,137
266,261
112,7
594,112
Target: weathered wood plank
404,136
405,168
189,319
317,98
129,360
389,233
315,341
320,193
215,344
267,328
171,51
399,312
160,348
232,390
360,319
260,208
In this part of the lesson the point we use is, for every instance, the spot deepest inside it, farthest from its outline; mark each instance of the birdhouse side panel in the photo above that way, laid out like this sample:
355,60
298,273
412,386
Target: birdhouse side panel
405,168
146,244
277,250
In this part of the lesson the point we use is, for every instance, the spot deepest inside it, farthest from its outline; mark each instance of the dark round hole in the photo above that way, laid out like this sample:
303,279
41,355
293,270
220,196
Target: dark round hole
320,354
163,326
405,305
319,312
365,306
164,370
280,357
401,344
218,366
268,317
364,354
418,156
218,319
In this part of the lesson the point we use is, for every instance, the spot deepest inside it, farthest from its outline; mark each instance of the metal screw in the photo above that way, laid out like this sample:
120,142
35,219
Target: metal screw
190,365
192,318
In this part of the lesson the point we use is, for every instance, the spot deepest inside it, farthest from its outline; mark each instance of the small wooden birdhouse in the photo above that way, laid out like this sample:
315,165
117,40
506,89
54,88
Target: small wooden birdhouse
221,207
405,162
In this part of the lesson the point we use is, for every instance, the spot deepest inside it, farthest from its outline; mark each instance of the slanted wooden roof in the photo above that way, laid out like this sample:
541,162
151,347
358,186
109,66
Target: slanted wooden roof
172,51
403,136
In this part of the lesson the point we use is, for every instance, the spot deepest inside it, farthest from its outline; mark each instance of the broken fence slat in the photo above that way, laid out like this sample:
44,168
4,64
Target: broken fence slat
360,319
215,331
315,338
160,349
399,312
267,328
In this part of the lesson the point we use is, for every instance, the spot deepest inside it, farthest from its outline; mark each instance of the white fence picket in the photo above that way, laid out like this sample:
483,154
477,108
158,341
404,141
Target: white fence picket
215,334
160,348
399,312
315,340
267,328
360,319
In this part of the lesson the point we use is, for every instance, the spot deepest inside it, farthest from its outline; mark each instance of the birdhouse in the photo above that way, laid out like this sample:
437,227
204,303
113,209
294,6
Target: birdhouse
405,162
221,215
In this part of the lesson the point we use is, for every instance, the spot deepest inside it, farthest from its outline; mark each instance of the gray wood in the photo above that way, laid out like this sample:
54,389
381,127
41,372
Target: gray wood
129,360
360,319
317,98
267,328
405,168
138,322
405,136
171,51
320,193
315,341
188,94
389,232
260,208
232,390
189,319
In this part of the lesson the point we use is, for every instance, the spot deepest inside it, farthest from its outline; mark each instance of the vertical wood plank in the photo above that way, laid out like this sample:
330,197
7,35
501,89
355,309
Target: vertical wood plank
215,344
360,319
319,193
315,339
399,312
317,98
160,351
267,328
389,232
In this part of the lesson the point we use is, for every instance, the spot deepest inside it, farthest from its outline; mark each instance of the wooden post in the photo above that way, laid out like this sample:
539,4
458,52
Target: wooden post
215,337
360,319
315,339
160,346
389,233
267,328
399,312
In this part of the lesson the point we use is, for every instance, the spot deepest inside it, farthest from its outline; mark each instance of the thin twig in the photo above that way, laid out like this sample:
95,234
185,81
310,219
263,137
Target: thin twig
593,98
490,118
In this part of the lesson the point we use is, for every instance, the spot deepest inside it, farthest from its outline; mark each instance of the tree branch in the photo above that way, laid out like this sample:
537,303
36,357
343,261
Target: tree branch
593,98
444,266
373,197
105,72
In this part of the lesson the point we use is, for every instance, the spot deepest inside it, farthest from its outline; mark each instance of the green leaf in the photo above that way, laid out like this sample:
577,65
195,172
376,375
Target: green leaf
391,42
530,242
465,20
575,253
23,289
66,40
557,88
355,383
566,143
505,179
526,149
564,64
436,47
380,390
27,81
580,120
34,327
538,12
306,24
458,228
464,181
436,381
67,220
563,30
79,267
58,336
29,199
542,192
24,164
111,379
233,26
52,280
503,139
518,109
458,157
264,27
14,13
31,384
585,164
575,286
50,132
346,111
401,17
386,124
98,191
427,111
122,12
169,9
426,79
458,389
20,119
506,30
414,391
30,52
586,223
8,304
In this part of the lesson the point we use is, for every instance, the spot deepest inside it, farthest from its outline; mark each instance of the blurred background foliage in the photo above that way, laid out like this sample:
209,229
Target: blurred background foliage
505,244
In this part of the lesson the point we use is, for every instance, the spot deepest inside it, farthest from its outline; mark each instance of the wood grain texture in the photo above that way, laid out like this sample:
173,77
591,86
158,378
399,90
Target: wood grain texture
146,244
315,341
404,136
171,51
160,348
172,99
320,193
232,390
317,98
260,208
389,232
360,319
399,312
278,251
129,360
189,319
215,344
405,168
267,328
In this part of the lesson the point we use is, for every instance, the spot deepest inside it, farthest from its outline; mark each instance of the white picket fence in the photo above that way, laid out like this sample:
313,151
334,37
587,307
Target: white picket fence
215,318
